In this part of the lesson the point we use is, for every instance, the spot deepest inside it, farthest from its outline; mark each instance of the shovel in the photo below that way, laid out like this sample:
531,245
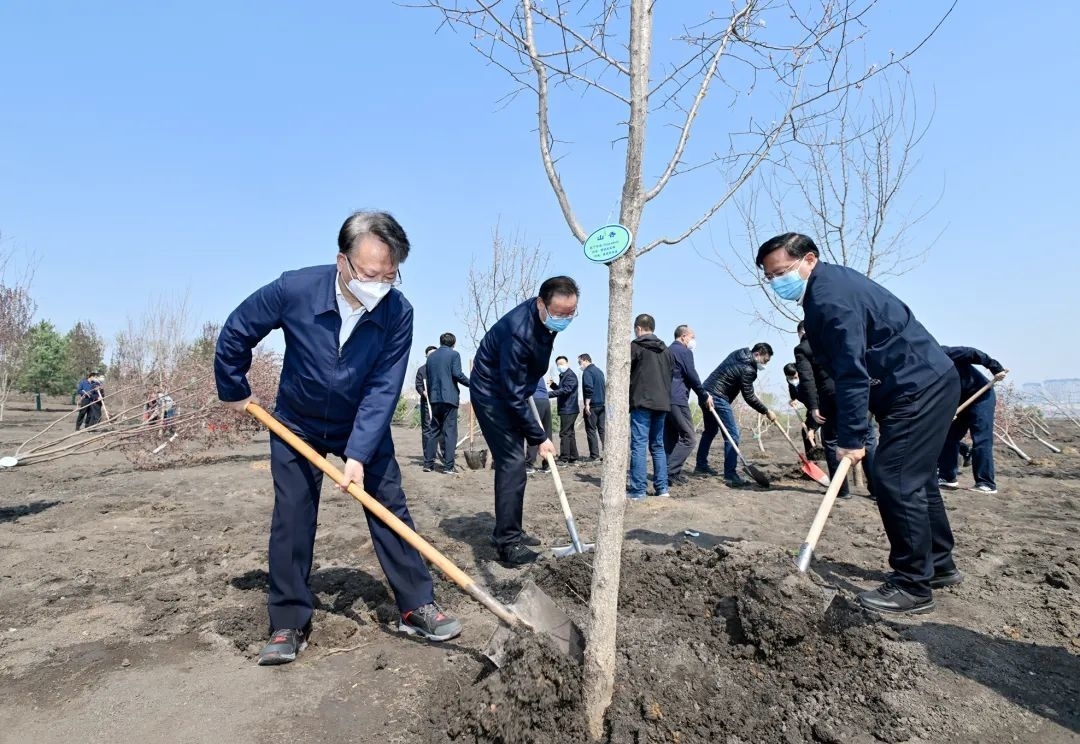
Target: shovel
811,469
980,393
806,550
752,470
576,545
532,609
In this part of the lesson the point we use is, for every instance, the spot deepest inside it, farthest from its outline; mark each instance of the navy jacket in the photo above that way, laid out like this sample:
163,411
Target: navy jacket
736,374
870,344
566,392
83,392
684,376
971,379
593,386
444,375
511,356
421,381
542,389
347,395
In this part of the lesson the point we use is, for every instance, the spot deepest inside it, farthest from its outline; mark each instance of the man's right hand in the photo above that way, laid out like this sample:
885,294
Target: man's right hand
240,405
546,448
817,416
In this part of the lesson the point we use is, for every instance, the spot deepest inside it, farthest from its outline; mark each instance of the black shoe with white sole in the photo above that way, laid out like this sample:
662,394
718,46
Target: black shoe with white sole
282,647
430,622
891,599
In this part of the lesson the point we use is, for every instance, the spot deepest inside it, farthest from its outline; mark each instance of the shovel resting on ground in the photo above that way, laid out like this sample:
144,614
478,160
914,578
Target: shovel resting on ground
806,550
752,470
532,609
811,469
576,546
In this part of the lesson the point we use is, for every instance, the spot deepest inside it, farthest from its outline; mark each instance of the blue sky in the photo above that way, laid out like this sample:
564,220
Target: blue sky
207,147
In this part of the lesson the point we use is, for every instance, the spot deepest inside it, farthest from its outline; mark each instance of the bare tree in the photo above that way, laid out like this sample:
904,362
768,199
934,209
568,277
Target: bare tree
512,275
17,310
840,181
1009,417
774,63
149,351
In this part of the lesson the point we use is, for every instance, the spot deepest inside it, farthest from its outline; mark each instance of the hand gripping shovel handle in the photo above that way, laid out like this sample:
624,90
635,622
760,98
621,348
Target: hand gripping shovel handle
568,515
426,549
982,391
807,548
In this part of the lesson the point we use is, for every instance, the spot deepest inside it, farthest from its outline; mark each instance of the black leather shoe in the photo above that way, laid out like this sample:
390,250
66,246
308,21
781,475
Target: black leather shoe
706,471
946,578
891,599
518,555
526,539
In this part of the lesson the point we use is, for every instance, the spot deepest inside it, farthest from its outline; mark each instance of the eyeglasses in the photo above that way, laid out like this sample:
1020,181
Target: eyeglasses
394,281
769,277
560,317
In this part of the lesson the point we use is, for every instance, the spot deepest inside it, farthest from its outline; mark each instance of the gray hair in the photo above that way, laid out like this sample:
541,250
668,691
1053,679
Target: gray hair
382,225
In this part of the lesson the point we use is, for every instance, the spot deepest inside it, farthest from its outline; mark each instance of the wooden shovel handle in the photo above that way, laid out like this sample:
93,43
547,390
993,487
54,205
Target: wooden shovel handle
387,517
982,391
822,516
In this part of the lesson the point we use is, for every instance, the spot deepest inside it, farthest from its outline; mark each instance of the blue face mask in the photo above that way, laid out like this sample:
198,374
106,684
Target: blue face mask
789,285
556,324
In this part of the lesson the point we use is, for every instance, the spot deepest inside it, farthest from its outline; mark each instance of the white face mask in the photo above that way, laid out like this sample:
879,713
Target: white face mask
370,293
562,368
794,381
691,344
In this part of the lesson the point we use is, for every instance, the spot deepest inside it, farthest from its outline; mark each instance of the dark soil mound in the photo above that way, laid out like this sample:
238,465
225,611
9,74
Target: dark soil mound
728,645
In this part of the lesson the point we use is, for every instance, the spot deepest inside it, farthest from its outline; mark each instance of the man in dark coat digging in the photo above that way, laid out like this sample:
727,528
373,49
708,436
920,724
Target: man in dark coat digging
347,330
978,418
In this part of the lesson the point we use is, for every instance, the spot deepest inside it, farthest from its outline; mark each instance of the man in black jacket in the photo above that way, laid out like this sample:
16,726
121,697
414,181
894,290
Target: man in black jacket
444,375
650,401
425,406
735,375
593,390
565,391
882,359
512,356
797,395
820,401
978,418
679,424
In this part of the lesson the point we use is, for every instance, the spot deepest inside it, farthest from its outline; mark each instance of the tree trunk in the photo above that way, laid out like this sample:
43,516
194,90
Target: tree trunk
599,672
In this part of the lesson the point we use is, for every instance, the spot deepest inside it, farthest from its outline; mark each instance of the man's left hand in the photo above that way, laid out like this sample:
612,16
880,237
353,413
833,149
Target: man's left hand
856,455
771,415
354,473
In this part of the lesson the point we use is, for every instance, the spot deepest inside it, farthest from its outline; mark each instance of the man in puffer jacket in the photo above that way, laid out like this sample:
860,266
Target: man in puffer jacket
650,401
735,375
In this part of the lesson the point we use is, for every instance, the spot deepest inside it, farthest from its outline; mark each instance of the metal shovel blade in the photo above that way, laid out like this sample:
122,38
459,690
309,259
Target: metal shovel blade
814,472
757,475
565,550
8,462
544,617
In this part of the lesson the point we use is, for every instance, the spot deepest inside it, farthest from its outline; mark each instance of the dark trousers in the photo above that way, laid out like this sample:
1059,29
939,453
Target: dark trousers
443,434
506,440
810,425
828,443
913,430
425,428
543,407
978,418
595,428
731,460
93,415
82,417
292,532
568,437
678,438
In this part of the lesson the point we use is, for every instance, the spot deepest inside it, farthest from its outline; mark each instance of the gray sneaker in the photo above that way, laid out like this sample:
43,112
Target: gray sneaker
430,622
282,647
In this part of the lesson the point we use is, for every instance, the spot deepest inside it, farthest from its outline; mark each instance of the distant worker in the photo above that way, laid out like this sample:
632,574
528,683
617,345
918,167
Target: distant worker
443,377
425,406
978,418
679,425
735,376
543,407
565,391
83,401
797,395
650,402
593,391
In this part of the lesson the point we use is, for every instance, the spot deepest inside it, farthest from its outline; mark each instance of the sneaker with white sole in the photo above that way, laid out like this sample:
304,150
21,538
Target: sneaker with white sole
282,647
430,622
942,483
983,488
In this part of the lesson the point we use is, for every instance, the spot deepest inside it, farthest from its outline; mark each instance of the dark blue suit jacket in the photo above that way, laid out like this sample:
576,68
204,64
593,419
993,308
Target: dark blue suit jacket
511,357
347,395
870,344
566,392
443,376
684,376
971,379
593,386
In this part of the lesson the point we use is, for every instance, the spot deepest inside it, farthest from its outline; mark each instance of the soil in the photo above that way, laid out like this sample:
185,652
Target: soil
132,604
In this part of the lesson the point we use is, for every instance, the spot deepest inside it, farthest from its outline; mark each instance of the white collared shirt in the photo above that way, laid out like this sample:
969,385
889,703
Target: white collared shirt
349,317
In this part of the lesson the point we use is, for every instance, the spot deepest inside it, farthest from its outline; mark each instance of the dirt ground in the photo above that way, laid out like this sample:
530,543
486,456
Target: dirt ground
132,605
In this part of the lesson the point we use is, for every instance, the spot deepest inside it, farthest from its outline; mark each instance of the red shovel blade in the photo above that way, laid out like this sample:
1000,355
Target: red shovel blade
813,471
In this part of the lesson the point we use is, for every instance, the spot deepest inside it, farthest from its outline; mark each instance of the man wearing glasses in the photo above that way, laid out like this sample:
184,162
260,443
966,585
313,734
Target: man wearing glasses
510,359
348,331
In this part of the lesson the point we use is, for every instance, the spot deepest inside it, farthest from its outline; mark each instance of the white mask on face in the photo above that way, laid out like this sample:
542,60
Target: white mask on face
562,368
370,293
691,344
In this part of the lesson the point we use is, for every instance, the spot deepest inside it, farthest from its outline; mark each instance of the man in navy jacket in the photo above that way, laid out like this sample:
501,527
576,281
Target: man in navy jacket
978,418
347,337
425,404
565,393
511,357
881,359
679,424
593,392
443,377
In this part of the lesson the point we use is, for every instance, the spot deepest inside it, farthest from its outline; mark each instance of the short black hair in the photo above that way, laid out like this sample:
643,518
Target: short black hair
645,322
563,286
584,358
789,370
380,224
797,245
762,348
429,349
563,358
800,327
447,339
680,330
